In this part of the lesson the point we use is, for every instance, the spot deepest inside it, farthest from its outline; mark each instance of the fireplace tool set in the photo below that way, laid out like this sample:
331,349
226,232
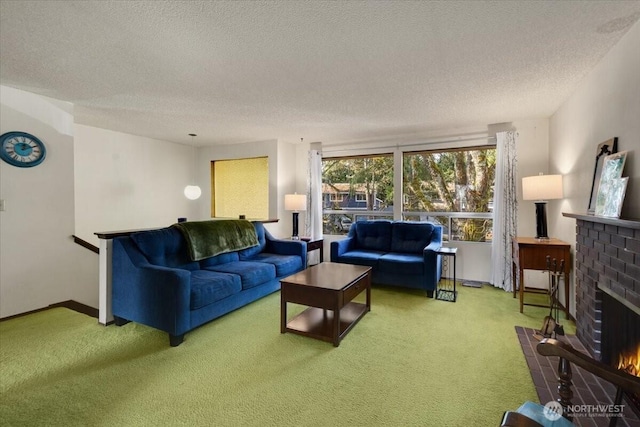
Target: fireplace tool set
550,327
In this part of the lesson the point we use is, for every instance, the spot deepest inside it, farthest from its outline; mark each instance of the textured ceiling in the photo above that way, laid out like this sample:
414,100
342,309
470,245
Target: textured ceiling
323,71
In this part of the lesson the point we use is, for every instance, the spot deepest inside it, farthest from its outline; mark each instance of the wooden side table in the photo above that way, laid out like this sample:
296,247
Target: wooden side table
530,253
312,245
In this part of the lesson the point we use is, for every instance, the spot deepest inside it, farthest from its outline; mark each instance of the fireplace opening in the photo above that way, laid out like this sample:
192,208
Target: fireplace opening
621,340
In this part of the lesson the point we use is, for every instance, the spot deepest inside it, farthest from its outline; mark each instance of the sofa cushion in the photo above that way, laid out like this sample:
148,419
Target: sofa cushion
219,259
209,286
165,247
285,264
358,257
251,273
373,235
407,237
400,263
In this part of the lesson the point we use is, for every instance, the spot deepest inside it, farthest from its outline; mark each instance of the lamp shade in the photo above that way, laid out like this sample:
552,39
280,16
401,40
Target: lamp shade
295,202
542,187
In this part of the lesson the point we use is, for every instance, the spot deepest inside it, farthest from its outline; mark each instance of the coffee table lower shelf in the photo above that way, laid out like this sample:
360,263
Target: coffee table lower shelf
318,323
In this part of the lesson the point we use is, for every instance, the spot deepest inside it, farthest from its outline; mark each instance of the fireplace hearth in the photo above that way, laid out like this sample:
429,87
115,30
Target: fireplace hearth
589,390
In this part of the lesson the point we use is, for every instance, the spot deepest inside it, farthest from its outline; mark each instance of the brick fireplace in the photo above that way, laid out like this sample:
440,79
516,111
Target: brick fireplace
608,291
607,262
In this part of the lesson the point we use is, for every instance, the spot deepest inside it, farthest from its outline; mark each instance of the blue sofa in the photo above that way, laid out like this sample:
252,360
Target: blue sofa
156,283
400,253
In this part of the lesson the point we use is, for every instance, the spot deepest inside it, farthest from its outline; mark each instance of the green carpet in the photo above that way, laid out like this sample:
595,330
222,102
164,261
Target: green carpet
411,361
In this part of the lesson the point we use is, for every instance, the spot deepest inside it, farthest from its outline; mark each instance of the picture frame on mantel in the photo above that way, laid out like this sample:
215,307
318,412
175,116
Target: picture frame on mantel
612,186
611,205
606,148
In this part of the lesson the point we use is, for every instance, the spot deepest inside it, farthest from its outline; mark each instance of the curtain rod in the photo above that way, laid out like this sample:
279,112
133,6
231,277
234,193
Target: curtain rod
418,144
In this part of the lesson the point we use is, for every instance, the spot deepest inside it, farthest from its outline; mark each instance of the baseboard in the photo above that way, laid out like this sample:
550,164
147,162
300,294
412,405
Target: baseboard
77,306
70,304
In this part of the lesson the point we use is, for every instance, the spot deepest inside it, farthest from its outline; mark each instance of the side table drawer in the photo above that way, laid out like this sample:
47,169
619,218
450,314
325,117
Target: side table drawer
316,297
352,291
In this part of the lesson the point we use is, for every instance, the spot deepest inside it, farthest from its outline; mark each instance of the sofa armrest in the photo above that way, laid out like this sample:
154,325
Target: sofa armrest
432,247
436,242
339,247
149,294
432,263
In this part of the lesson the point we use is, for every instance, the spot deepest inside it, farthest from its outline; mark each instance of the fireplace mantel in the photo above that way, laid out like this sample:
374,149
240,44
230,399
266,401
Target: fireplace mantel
620,222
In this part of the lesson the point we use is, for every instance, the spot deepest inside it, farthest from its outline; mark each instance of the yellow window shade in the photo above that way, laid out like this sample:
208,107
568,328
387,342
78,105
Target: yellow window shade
240,187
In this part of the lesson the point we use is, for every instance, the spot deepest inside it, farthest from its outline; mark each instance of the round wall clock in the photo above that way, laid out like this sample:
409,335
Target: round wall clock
21,149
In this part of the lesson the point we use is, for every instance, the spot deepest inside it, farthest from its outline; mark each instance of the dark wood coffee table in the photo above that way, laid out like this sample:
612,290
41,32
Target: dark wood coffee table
328,290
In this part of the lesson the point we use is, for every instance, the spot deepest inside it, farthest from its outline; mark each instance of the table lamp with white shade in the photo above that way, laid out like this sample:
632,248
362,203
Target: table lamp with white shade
542,188
296,203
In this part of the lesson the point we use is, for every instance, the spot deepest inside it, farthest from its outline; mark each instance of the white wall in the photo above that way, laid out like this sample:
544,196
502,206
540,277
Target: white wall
38,259
605,104
288,167
532,152
125,182
92,180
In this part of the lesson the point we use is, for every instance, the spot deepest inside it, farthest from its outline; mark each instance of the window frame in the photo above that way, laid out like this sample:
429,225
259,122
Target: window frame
398,212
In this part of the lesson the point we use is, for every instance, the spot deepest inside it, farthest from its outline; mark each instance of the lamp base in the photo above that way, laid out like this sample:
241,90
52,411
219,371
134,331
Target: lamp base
541,221
294,235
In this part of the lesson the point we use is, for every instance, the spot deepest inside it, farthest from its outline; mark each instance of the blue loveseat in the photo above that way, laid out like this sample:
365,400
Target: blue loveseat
400,253
156,283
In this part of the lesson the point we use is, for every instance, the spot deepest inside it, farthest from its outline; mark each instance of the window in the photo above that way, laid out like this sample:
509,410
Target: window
454,188
335,197
451,187
240,187
356,188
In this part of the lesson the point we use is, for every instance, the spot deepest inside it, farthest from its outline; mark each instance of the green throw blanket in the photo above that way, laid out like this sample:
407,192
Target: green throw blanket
209,238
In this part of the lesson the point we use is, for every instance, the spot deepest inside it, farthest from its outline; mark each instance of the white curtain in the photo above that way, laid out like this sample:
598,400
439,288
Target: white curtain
313,222
505,210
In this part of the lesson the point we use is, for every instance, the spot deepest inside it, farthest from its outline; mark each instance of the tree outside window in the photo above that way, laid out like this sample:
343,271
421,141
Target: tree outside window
366,186
458,181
